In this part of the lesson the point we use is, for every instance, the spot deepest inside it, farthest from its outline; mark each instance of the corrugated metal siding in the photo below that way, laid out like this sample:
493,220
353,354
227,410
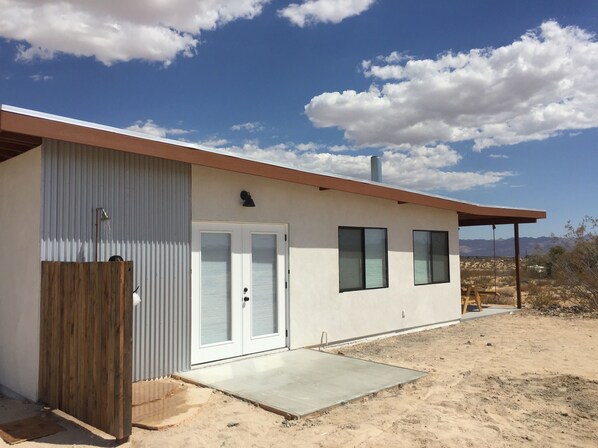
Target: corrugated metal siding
149,203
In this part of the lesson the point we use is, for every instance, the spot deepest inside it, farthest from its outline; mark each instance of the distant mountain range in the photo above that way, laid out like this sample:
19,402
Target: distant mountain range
506,247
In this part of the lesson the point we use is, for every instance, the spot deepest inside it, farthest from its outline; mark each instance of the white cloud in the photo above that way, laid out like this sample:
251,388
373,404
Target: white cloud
498,156
341,148
393,58
315,11
114,31
253,126
419,168
541,85
151,128
309,146
214,142
39,77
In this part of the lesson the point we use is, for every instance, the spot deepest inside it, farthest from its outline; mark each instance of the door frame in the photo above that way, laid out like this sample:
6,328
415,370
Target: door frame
227,350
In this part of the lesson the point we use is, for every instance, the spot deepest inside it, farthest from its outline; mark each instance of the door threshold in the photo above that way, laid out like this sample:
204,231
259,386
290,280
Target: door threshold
237,358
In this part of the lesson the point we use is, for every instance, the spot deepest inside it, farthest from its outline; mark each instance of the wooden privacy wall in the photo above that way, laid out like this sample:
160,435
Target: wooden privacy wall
86,342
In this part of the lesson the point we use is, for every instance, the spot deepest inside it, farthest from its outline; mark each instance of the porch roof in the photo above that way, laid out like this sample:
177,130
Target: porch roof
22,130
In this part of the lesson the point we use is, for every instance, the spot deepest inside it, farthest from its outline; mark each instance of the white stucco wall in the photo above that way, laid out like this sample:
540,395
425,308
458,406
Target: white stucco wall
20,272
313,217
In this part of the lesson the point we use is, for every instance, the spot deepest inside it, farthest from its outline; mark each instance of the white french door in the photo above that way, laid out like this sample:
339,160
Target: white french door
238,290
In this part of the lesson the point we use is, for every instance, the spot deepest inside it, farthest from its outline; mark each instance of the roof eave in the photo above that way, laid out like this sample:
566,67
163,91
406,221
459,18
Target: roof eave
35,127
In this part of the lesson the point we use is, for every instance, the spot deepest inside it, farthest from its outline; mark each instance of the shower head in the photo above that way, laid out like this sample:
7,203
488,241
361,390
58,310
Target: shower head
103,215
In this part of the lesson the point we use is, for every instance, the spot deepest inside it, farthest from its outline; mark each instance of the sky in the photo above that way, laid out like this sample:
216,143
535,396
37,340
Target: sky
493,102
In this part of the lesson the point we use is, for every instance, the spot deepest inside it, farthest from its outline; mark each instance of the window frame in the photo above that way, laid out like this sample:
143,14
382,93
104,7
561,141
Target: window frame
363,259
431,257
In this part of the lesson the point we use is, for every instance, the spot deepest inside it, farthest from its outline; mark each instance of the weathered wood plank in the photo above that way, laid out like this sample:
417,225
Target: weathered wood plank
44,352
127,359
56,372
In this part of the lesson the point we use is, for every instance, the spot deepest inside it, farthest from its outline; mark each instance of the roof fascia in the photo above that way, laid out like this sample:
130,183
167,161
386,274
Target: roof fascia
52,127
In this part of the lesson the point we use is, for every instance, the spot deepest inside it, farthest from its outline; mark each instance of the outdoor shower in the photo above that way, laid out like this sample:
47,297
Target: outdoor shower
101,216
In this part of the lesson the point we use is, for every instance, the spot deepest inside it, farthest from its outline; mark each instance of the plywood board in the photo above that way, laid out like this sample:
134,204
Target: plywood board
28,429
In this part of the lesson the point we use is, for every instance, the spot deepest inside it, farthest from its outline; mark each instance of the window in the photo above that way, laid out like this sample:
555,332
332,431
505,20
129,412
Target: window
430,257
363,258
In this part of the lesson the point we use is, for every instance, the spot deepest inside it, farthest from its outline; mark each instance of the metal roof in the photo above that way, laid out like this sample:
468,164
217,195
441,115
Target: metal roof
23,129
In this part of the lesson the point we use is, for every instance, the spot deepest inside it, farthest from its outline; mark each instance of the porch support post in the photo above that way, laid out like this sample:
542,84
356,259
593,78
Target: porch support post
517,276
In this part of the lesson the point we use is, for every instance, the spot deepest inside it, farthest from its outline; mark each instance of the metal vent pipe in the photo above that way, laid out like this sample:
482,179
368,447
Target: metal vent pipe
376,162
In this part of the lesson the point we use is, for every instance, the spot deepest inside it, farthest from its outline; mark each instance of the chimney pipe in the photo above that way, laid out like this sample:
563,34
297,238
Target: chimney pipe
376,162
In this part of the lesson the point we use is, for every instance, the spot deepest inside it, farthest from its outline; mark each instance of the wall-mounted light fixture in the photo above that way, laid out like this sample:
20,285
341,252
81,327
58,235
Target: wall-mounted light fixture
247,200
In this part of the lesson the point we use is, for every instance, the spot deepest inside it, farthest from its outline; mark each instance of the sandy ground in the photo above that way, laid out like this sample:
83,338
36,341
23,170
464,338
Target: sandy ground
506,381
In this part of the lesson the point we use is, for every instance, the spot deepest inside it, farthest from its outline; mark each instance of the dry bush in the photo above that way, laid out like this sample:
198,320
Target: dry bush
480,272
543,297
467,274
485,273
576,269
507,295
501,300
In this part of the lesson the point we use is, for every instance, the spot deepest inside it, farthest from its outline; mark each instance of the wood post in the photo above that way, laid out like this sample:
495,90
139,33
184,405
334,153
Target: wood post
517,267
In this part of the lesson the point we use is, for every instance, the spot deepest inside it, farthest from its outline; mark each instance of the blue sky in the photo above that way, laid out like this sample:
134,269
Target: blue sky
494,102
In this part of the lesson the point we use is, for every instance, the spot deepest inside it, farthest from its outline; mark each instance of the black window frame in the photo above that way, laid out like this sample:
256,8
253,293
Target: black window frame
431,255
363,273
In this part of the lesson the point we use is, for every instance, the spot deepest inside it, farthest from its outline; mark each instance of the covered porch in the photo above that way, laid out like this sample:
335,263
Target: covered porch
474,295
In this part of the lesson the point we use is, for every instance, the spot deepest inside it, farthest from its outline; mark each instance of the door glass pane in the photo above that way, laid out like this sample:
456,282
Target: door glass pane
350,259
375,258
421,257
264,291
440,264
215,288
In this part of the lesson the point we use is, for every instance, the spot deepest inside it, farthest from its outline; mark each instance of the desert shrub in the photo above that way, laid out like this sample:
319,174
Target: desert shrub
506,296
576,268
507,291
485,282
553,259
467,274
543,265
542,296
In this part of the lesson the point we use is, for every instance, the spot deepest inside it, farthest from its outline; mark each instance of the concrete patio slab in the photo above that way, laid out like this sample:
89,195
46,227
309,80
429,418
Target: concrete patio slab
487,311
300,382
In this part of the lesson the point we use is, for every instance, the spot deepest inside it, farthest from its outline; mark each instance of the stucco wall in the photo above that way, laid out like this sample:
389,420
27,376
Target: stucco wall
313,216
20,272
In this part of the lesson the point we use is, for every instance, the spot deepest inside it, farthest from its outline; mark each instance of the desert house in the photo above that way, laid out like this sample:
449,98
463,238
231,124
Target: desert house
233,256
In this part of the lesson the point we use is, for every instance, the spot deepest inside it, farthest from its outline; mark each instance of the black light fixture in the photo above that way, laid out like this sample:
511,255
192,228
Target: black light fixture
247,200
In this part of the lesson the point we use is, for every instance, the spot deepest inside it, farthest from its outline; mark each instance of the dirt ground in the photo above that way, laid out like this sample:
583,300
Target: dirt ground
506,381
